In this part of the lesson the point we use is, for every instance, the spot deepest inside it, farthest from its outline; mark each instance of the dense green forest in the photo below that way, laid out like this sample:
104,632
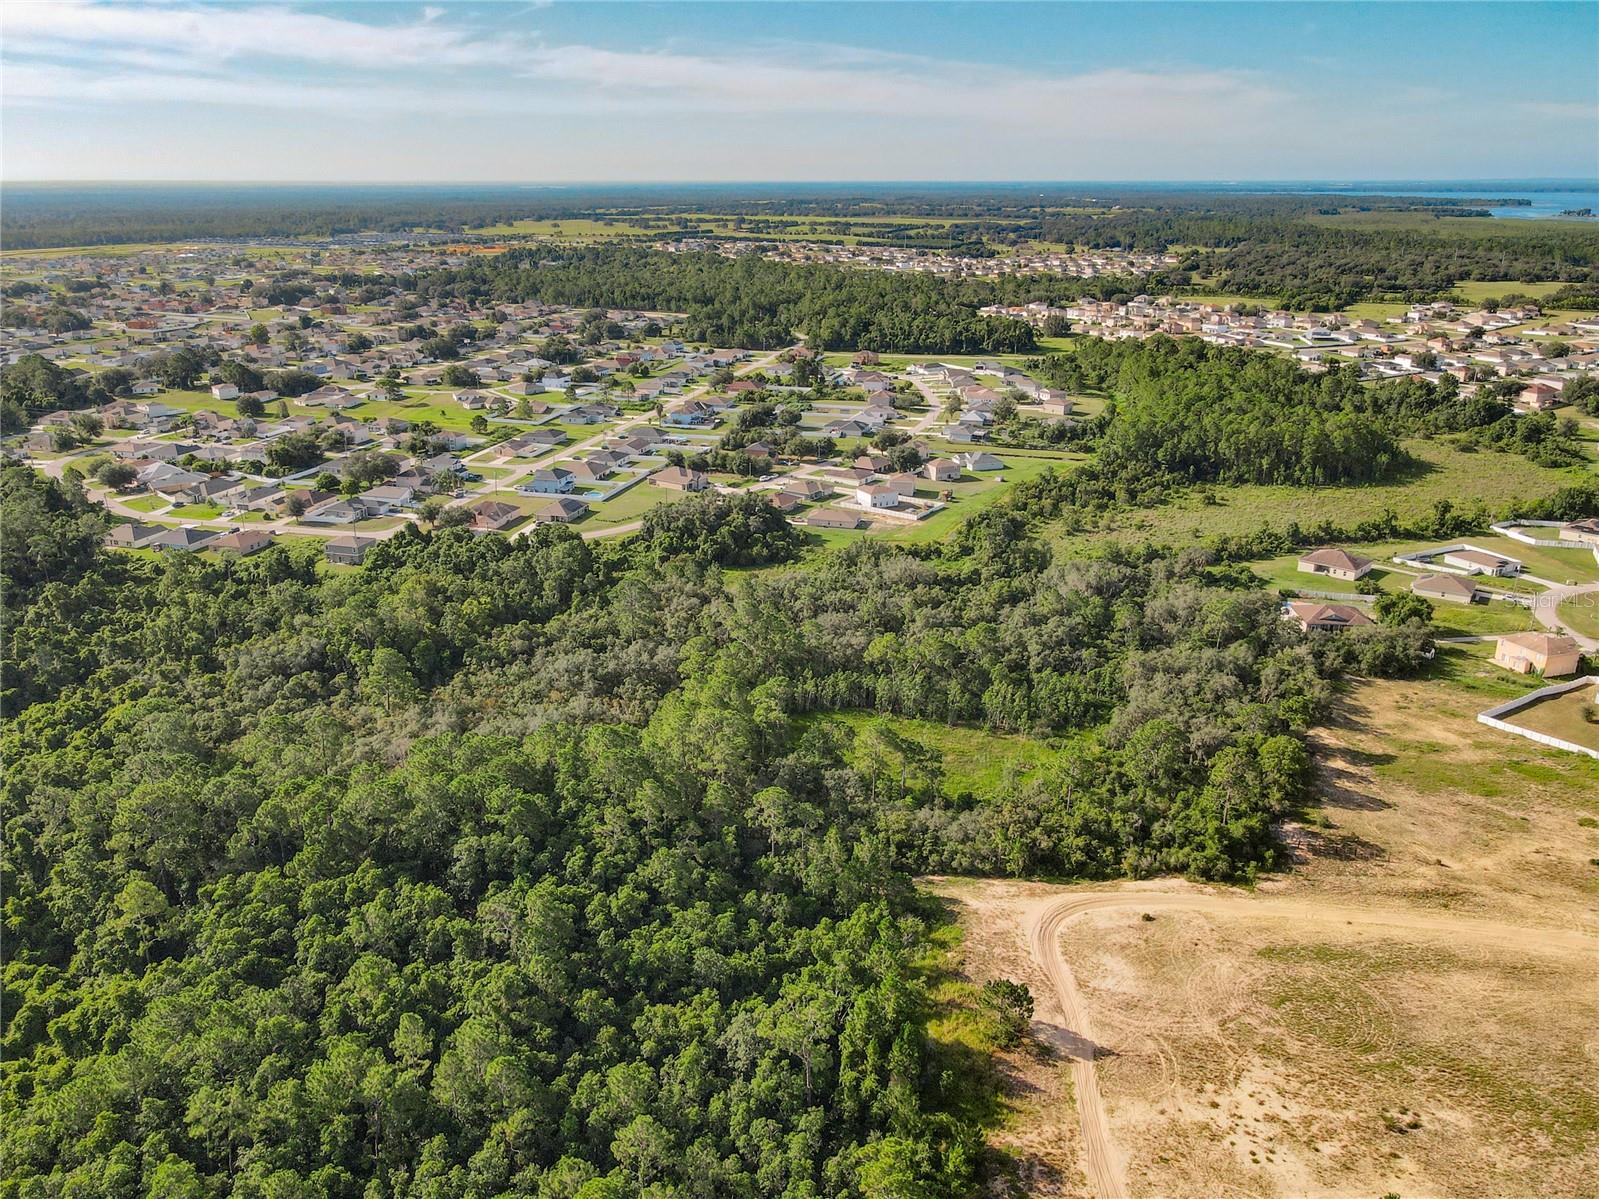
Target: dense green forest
759,304
1206,413
535,867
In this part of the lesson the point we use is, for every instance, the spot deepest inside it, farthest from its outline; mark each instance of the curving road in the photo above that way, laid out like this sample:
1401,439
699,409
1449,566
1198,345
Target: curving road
1043,922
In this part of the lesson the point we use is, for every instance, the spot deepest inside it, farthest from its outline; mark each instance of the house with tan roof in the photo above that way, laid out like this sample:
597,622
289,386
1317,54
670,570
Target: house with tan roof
1548,654
1325,618
1334,563
1480,562
1450,588
678,478
494,514
562,511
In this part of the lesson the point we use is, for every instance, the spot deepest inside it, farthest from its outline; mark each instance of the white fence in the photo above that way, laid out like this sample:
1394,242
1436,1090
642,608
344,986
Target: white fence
1560,543
1492,715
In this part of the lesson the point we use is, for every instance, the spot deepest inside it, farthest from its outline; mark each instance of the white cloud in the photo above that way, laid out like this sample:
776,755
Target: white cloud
819,109
238,32
237,55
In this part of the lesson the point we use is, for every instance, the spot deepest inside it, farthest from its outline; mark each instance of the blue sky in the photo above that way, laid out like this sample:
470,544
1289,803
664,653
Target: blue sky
773,91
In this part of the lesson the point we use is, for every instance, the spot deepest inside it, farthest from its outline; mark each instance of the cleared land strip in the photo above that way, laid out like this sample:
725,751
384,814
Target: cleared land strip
1043,920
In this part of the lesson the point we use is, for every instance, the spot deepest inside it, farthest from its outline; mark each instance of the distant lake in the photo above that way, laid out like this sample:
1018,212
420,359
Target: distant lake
1541,204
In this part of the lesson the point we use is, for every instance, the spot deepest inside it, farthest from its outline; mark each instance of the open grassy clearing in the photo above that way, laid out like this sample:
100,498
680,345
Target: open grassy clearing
631,504
1475,291
972,759
1572,717
1445,473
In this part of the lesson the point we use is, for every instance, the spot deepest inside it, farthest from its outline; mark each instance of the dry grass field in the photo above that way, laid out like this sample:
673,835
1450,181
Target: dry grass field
1412,1010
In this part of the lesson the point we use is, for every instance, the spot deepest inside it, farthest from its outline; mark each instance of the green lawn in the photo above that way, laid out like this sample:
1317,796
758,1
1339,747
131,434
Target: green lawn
1571,717
1476,620
1560,566
631,504
197,511
147,503
1581,612
1283,572
446,414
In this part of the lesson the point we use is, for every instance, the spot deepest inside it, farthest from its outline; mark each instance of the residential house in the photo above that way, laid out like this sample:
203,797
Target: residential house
1549,654
549,480
979,461
493,515
1335,563
689,414
809,490
133,535
877,495
241,543
1450,588
380,501
832,518
331,397
336,512
347,551
169,479
1480,562
213,490
677,478
942,470
1326,618
903,483
183,539
562,511
840,429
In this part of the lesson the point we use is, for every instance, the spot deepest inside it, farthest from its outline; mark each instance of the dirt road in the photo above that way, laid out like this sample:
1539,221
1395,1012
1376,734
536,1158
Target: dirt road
1042,918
